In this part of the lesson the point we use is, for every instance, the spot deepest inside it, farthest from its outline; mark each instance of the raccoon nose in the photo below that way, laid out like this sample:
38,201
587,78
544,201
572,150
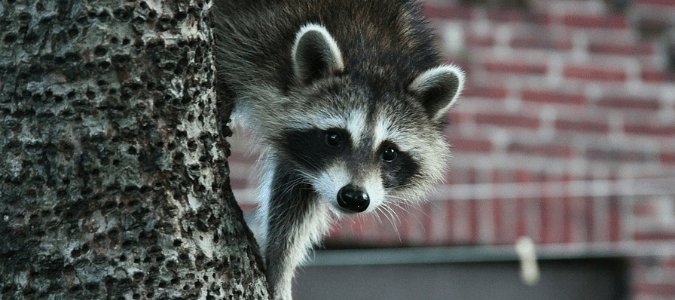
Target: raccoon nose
353,198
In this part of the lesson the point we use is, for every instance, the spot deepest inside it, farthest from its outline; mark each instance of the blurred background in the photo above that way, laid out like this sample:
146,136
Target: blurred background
565,134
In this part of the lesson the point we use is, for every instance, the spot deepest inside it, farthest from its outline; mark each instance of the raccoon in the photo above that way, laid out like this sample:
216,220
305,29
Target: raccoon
347,99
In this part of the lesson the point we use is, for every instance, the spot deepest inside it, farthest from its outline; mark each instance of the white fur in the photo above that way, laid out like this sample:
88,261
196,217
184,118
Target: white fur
265,109
330,181
409,142
380,133
324,122
356,123
306,235
336,55
375,190
385,130
431,77
267,166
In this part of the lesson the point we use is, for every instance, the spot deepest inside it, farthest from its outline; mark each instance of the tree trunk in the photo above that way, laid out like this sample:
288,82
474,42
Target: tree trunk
113,173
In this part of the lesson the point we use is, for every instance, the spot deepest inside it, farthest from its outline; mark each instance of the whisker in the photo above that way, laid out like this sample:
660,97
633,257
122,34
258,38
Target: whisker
377,214
394,220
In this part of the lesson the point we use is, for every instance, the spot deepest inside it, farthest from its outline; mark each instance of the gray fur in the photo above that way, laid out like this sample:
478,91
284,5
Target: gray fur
313,44
301,69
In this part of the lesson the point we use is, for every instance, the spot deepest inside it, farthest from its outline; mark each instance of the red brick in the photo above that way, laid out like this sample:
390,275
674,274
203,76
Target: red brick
567,220
654,236
652,26
470,145
450,218
485,92
590,218
576,218
480,41
501,176
619,49
644,209
586,126
473,220
546,229
238,183
661,289
462,176
242,158
649,129
529,42
428,222
521,216
523,175
551,97
632,103
507,120
657,2
616,21
248,208
553,213
618,155
447,12
451,177
462,64
500,231
456,117
542,150
614,219
517,15
472,175
541,18
594,73
516,67
506,15
668,158
657,76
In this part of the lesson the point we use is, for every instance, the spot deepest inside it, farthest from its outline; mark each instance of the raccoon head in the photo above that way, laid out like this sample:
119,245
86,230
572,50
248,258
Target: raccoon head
355,151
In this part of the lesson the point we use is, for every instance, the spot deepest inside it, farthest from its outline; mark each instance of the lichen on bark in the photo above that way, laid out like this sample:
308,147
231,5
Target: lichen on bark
113,174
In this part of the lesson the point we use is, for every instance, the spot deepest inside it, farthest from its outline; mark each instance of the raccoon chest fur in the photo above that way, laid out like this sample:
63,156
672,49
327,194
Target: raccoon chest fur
347,99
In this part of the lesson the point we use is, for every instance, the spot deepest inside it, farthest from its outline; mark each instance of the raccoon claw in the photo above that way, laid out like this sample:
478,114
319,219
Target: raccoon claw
353,198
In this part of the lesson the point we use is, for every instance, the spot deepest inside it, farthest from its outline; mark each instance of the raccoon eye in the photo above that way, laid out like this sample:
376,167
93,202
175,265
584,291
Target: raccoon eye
333,138
389,154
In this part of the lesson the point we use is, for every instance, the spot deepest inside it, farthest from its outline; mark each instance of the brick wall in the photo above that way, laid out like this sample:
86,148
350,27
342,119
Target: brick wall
565,133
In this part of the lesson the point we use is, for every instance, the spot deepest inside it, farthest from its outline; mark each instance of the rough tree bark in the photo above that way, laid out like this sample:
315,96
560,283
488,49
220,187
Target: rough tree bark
113,173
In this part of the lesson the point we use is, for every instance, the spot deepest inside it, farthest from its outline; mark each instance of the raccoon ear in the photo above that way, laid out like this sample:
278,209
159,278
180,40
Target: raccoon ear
438,89
315,54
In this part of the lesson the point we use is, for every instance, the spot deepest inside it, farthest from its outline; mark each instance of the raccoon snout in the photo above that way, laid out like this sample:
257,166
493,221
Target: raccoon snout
353,198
